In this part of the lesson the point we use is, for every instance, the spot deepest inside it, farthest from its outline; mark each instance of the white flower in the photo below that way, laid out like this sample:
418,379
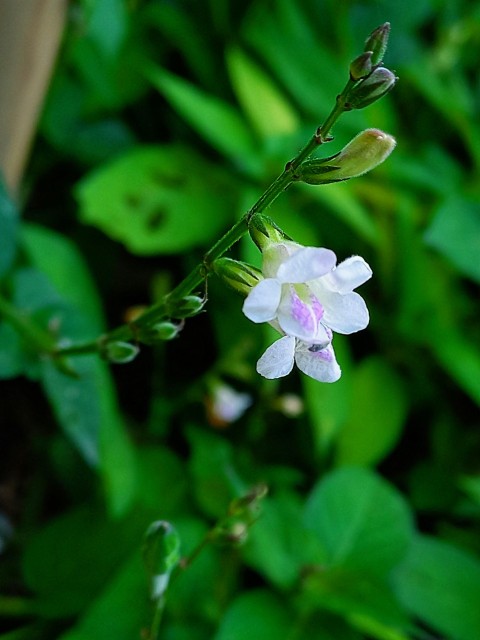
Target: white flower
318,363
306,297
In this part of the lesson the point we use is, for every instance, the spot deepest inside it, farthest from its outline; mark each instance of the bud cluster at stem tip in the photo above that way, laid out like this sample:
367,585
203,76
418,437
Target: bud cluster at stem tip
372,80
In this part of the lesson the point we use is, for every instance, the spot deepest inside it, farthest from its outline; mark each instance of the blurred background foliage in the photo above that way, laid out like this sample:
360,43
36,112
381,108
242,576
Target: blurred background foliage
163,123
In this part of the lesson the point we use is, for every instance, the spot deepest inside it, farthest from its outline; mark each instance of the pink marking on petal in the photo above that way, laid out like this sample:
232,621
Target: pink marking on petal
316,307
302,313
323,354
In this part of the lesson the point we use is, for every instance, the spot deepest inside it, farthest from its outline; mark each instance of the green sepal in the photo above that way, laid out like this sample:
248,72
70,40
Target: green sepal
238,275
264,232
377,43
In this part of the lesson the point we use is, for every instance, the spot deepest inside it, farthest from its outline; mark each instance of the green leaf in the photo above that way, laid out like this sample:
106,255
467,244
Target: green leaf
276,542
162,481
8,230
120,611
441,585
269,111
68,562
59,259
157,200
455,233
366,602
377,413
362,522
216,482
215,120
107,26
255,615
341,200
11,352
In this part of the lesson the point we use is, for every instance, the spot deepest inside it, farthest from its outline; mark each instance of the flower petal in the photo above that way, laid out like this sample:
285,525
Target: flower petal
297,317
306,264
344,313
262,302
278,359
320,365
348,275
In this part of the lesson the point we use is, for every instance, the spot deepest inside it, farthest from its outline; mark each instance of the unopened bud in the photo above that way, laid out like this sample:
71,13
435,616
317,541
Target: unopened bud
264,231
161,554
367,150
163,331
377,42
374,87
361,67
239,275
186,307
120,352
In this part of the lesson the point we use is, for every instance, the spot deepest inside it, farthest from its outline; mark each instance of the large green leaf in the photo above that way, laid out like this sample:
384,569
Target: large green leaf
255,615
121,611
362,523
59,259
157,200
69,561
269,111
376,417
455,232
215,120
440,584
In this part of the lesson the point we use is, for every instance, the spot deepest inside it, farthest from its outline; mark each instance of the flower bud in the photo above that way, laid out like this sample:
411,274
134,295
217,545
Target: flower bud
239,275
161,554
375,86
367,150
361,67
186,307
377,42
159,332
120,352
264,231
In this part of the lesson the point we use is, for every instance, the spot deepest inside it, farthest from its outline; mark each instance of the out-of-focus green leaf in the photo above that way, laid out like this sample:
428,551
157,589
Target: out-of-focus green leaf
157,200
68,129
120,611
440,584
107,25
69,562
255,615
368,603
215,120
8,230
76,404
11,352
58,258
460,358
376,416
216,481
162,481
276,542
455,232
343,204
268,110
362,522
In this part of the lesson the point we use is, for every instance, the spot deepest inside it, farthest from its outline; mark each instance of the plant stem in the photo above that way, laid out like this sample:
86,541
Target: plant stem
165,308
40,339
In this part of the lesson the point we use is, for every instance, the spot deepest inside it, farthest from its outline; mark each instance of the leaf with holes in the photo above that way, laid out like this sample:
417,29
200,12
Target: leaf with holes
158,199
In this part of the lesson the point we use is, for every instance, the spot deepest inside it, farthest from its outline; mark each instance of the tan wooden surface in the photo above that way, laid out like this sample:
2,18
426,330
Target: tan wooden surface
30,33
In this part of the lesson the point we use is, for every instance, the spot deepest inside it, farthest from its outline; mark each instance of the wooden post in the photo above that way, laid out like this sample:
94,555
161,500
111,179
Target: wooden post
30,33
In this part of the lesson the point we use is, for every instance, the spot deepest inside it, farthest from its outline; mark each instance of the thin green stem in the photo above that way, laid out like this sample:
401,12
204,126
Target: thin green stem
166,307
40,339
